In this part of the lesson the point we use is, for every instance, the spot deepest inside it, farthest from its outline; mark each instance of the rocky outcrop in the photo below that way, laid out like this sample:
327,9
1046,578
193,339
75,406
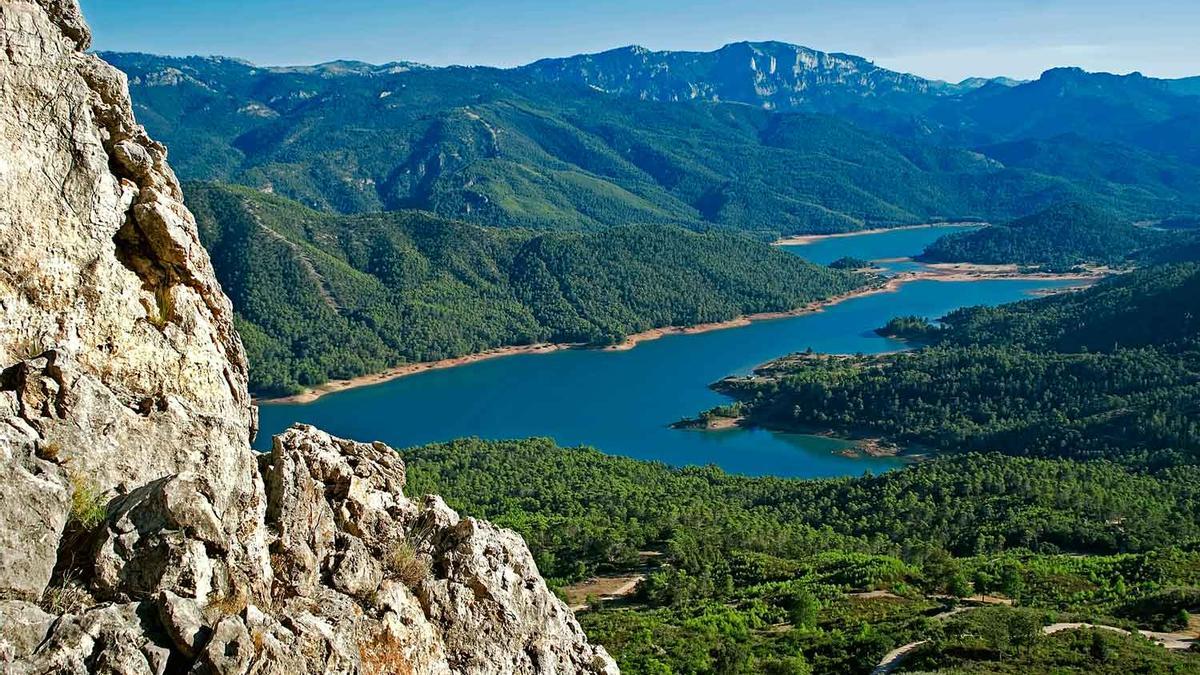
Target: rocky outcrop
139,533
120,361
361,578
773,75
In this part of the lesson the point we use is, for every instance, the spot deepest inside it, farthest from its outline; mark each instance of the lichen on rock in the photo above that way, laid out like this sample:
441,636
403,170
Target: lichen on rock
139,532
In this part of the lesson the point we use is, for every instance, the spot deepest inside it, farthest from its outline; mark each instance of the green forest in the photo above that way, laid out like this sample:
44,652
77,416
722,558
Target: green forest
500,148
1057,237
320,296
1058,486
362,217
1109,372
770,575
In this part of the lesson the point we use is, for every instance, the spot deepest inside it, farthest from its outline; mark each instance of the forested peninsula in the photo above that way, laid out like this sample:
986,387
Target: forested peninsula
1058,237
1109,372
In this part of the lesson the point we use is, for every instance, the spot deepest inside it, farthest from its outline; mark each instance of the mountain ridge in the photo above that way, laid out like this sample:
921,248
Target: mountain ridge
321,296
770,76
498,147
1184,84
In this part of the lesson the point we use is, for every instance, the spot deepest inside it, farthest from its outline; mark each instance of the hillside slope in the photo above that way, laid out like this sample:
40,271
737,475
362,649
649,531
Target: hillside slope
1099,106
1109,372
757,575
1062,235
1132,108
1105,166
497,147
323,296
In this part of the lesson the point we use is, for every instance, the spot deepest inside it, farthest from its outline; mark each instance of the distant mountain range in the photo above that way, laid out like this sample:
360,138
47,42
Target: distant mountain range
581,168
781,76
763,137
775,75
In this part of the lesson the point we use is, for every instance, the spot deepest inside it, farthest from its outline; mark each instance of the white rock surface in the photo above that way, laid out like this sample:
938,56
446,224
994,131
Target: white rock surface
121,363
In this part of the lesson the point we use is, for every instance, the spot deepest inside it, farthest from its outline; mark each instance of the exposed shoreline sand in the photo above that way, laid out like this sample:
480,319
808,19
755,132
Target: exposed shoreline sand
936,272
978,272
889,286
411,369
629,342
806,239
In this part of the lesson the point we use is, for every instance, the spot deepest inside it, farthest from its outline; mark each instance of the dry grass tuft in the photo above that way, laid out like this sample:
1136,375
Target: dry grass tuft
67,597
403,565
29,348
227,604
50,451
164,307
88,506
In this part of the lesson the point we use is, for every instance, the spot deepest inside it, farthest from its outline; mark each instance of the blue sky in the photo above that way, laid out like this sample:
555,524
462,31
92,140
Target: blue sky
933,38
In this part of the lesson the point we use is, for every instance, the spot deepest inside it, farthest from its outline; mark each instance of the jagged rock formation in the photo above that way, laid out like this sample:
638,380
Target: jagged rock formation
139,533
775,75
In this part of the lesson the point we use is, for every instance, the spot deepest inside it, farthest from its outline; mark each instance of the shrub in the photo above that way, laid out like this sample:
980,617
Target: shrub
402,564
88,506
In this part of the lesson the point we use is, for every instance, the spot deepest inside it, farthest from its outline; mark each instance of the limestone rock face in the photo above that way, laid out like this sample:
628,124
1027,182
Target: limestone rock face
139,533
362,579
495,614
120,360
337,512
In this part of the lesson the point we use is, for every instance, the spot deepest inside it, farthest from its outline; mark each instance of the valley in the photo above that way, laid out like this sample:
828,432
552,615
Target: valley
585,256
328,296
624,401
763,360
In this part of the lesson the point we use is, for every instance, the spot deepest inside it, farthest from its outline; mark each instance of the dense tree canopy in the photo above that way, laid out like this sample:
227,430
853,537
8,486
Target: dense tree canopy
322,296
755,575
1113,371
1060,236
559,213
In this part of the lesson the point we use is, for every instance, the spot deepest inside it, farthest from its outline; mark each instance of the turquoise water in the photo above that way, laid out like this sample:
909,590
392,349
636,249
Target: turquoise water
623,402
894,244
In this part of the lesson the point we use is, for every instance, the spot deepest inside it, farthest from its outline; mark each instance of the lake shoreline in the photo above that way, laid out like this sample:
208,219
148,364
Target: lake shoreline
629,342
334,386
948,272
806,239
634,339
865,443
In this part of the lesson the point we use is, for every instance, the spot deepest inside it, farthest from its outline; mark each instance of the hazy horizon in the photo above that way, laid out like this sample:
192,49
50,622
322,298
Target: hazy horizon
935,39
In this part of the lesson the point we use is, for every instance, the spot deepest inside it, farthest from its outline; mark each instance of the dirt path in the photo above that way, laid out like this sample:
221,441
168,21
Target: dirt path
981,599
872,595
604,588
1168,640
897,656
894,658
